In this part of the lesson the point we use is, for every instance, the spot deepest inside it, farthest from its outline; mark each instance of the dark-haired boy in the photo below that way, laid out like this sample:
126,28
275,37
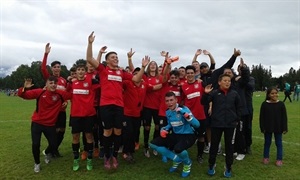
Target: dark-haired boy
61,85
226,113
49,102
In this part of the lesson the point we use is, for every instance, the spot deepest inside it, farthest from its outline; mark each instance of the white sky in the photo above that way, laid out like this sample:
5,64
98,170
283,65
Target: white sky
266,32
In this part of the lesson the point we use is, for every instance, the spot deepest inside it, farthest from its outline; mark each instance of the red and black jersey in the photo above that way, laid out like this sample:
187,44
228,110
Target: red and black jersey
134,97
111,85
95,77
83,91
152,99
168,87
192,94
48,104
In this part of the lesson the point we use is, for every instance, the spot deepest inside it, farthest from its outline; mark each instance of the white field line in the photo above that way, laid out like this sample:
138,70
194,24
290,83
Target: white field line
285,142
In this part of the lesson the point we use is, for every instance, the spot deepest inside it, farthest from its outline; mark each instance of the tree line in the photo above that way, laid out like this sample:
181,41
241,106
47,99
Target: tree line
263,76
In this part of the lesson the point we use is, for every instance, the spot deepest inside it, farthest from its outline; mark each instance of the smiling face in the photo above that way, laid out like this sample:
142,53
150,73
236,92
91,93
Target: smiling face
56,70
196,65
112,60
80,72
190,75
51,85
273,95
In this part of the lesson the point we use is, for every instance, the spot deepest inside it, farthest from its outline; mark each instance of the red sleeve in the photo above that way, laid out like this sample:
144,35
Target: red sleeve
45,72
65,95
100,68
127,76
29,94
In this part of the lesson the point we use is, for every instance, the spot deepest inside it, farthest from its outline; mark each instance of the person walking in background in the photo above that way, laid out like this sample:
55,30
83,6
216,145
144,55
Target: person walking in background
273,119
296,91
287,91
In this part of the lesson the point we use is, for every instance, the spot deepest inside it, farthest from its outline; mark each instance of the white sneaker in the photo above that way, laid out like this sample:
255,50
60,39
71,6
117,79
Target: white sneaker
155,153
206,149
240,157
37,168
47,158
146,153
234,154
120,149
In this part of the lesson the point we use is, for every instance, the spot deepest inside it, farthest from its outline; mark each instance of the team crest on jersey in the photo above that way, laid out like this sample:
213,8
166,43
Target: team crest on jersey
118,72
142,86
178,115
54,98
85,84
196,86
62,81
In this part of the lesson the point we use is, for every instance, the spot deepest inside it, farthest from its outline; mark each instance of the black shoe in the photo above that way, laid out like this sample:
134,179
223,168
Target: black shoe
56,155
248,150
200,159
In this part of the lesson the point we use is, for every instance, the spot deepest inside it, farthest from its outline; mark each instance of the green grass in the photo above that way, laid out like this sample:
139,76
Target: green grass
17,161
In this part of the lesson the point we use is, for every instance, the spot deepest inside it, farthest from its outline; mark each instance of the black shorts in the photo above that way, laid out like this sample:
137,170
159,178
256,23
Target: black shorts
112,116
148,114
202,129
82,124
176,142
61,120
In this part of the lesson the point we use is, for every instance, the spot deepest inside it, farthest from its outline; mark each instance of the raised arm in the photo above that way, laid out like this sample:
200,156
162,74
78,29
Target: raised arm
129,56
139,75
45,72
89,51
211,58
101,52
198,52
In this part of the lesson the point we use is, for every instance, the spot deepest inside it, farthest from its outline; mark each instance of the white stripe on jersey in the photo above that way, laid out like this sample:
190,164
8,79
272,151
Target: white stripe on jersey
177,93
193,95
176,123
114,78
60,87
80,91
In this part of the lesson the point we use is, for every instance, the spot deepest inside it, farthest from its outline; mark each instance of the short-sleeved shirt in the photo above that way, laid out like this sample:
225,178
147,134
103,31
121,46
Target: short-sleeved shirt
111,85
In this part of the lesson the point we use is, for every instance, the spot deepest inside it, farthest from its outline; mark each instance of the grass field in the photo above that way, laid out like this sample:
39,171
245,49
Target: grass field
17,160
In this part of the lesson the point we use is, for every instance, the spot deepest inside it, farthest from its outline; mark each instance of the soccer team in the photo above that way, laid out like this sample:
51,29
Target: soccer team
196,103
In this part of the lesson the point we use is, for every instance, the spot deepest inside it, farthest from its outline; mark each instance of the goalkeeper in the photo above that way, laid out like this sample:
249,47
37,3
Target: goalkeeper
177,136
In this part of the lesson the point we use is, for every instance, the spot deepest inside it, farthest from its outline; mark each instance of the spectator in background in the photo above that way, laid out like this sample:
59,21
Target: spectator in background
287,91
296,91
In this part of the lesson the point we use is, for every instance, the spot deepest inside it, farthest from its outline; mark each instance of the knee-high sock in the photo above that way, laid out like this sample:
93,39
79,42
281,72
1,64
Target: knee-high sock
89,148
117,143
184,155
75,148
146,138
166,152
107,143
200,147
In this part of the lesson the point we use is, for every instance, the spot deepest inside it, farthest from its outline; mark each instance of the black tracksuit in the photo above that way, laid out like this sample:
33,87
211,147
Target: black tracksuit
226,112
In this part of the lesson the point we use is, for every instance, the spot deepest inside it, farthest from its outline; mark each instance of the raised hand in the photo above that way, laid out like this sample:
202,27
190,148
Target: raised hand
130,54
205,52
28,83
242,63
236,52
208,88
145,61
164,54
198,52
103,50
47,48
91,37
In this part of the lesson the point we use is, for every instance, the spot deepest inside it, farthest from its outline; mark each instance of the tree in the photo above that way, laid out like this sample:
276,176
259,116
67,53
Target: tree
262,76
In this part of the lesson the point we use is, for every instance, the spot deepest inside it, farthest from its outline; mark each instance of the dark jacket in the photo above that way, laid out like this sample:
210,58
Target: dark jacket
226,108
273,117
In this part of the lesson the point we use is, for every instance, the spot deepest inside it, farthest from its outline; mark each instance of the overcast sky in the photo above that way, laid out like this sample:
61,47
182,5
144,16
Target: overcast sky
266,32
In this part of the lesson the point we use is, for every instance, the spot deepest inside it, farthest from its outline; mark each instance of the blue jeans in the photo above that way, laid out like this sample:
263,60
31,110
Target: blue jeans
278,142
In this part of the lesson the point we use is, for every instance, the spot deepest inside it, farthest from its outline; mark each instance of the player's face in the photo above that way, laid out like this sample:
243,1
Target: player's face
204,70
56,70
273,95
225,82
51,85
174,79
153,66
182,73
160,70
228,72
171,102
196,65
80,72
73,74
90,67
113,60
190,75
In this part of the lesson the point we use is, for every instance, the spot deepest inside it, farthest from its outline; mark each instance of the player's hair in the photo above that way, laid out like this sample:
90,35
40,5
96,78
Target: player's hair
109,53
81,66
73,69
190,67
182,67
223,75
175,73
269,91
52,78
54,63
170,94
